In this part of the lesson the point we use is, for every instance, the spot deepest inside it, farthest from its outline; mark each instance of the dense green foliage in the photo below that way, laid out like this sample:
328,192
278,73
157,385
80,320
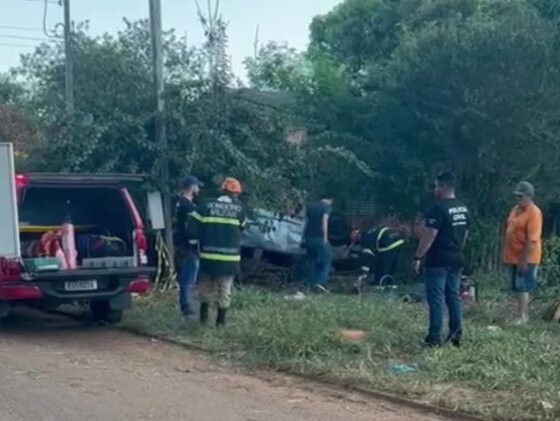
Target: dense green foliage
388,93
416,86
112,128
214,128
470,85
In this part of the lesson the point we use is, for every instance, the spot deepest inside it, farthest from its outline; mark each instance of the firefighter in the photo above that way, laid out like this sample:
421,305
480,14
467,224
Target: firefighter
381,247
217,224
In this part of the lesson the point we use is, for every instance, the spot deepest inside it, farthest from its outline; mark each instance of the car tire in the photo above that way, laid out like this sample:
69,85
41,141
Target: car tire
102,311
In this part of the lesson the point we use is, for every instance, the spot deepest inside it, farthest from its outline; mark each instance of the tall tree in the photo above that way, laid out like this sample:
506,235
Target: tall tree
423,85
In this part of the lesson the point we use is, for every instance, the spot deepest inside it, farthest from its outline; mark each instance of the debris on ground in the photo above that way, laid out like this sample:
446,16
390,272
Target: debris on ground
298,296
547,406
493,328
400,368
413,297
352,336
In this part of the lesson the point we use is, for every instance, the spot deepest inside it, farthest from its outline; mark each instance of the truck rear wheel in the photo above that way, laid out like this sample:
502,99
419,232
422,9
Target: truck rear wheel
101,310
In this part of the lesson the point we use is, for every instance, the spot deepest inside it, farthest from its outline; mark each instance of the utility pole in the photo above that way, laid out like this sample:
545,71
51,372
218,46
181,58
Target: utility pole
69,65
160,133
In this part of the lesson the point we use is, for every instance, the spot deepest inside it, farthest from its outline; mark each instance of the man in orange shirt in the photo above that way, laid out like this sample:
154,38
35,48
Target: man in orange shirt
522,246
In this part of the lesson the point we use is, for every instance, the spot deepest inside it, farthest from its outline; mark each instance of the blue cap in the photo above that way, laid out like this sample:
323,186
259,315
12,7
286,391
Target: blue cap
191,181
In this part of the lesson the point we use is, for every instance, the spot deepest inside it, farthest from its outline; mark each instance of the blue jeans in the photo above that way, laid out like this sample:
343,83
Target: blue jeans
320,258
443,284
523,282
188,273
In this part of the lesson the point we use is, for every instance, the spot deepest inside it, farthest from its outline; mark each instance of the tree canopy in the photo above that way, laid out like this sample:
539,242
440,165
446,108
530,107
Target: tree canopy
387,93
416,86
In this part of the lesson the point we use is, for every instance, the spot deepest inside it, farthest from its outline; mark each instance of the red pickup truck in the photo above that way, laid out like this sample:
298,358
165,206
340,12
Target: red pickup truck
100,207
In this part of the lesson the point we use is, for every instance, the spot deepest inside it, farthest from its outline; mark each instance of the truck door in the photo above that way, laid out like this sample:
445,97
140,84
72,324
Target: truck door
9,239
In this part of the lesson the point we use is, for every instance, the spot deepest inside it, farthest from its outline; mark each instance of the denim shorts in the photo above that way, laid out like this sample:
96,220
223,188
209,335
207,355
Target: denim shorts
523,282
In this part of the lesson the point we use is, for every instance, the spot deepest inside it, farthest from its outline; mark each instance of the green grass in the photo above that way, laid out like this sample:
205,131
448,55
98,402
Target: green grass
503,373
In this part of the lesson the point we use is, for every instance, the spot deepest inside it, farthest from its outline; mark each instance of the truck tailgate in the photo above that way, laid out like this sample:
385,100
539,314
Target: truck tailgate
78,274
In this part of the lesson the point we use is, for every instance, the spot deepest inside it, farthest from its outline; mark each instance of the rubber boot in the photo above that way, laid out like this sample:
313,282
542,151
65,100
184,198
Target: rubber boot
221,320
204,313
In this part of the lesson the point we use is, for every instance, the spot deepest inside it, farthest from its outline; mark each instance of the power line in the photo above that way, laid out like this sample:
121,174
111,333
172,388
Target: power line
21,28
50,34
7,44
45,13
48,1
25,38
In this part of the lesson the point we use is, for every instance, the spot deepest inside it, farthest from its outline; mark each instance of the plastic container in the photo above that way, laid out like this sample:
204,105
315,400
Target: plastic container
41,264
68,239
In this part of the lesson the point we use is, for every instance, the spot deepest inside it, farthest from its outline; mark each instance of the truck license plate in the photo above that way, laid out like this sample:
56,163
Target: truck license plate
81,285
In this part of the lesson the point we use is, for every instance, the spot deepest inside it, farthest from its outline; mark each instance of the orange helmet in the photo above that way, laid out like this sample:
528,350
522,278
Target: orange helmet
232,185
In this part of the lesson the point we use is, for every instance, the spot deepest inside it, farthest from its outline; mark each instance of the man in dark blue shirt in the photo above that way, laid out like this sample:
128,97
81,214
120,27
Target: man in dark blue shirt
316,239
441,247
187,248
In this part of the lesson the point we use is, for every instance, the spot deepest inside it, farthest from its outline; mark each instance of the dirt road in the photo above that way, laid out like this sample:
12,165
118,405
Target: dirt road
53,368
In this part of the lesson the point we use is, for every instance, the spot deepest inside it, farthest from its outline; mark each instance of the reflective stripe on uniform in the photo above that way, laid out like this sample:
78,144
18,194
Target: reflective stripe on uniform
379,235
368,251
390,247
221,250
216,220
220,220
220,257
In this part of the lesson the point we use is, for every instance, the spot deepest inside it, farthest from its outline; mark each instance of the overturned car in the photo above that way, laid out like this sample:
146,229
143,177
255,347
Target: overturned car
272,247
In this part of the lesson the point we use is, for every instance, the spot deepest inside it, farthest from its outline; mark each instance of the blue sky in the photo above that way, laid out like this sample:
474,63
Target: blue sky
278,20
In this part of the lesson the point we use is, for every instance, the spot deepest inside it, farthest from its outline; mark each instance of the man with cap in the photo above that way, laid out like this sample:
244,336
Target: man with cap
217,225
522,247
186,245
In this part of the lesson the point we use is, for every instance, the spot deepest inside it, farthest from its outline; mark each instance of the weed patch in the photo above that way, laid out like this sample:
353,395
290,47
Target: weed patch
501,371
